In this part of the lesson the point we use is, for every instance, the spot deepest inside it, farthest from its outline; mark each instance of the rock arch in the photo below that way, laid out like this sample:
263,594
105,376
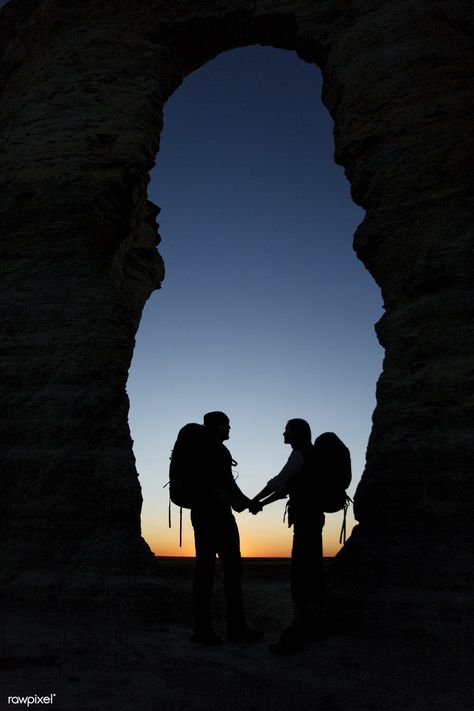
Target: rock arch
82,90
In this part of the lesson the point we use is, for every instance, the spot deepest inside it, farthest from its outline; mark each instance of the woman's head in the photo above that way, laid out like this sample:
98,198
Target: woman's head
297,432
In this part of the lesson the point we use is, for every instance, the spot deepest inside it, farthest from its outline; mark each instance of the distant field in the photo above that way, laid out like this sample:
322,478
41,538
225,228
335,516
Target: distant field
177,566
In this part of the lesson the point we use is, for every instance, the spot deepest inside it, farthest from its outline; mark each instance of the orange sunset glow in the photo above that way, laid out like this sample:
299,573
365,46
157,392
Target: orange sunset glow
262,536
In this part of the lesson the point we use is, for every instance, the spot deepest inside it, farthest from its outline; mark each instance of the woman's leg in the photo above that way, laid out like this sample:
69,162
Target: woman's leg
308,583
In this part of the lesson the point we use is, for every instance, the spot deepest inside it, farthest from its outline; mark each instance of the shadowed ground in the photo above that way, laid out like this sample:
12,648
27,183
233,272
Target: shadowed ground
97,663
266,592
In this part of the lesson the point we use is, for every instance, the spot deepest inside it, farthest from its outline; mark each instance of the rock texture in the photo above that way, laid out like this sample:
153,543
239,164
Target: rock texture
82,89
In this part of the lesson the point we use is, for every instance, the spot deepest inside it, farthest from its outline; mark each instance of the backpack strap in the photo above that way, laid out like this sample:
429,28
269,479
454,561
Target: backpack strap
342,537
180,518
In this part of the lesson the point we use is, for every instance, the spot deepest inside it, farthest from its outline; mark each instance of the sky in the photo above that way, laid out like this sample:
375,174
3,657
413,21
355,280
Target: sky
265,311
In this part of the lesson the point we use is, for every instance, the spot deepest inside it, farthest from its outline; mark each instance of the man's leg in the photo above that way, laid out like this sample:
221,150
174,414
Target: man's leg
203,579
229,554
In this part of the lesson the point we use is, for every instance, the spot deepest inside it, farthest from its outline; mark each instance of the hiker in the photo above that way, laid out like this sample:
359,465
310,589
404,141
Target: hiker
308,586
216,533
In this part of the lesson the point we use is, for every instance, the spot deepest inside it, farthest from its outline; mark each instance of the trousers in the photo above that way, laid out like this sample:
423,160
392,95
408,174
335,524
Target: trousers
308,584
216,534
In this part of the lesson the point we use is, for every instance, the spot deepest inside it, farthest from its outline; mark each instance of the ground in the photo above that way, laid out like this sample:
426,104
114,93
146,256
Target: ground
104,663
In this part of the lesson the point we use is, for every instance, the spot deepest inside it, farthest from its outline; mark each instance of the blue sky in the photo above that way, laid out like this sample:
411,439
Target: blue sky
265,311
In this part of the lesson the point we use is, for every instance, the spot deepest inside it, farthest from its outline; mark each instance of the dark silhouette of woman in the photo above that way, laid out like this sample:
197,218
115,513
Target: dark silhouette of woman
308,587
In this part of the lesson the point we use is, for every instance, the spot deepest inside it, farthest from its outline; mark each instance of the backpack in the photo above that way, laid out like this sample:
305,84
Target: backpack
185,481
332,469
323,481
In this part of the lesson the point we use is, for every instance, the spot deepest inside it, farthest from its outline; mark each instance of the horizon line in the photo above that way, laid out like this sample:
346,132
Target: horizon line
244,557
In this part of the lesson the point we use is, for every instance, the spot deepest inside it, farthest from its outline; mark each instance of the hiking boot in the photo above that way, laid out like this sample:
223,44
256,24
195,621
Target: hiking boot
207,637
290,642
243,634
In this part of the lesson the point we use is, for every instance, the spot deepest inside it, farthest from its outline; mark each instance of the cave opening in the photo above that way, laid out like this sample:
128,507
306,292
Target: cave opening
265,311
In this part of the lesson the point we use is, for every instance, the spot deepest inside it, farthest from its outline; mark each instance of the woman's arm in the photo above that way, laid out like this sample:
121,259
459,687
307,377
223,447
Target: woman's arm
274,497
277,488
266,491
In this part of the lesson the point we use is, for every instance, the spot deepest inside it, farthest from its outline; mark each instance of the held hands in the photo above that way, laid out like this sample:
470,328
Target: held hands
255,507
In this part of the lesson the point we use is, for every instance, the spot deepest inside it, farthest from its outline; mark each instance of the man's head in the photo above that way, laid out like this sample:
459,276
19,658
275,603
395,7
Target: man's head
217,423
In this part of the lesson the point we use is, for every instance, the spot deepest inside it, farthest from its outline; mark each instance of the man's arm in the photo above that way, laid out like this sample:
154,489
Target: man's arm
262,500
234,498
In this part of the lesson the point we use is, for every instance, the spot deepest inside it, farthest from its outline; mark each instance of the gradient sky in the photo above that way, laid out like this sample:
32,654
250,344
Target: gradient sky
265,312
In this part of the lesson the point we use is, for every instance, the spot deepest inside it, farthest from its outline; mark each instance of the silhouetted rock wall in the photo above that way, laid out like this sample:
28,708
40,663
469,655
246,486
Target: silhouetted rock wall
82,90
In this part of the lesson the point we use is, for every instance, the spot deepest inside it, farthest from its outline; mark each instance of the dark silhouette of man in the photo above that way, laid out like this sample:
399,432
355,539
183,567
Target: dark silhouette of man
216,533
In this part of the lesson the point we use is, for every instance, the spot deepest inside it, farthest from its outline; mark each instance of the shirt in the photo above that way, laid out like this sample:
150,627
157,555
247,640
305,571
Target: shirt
282,481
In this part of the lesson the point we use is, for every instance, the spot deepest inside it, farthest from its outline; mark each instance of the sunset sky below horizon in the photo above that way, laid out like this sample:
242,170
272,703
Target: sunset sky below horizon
265,311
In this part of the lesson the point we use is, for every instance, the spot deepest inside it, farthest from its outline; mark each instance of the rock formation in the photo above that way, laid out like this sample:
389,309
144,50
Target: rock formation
82,90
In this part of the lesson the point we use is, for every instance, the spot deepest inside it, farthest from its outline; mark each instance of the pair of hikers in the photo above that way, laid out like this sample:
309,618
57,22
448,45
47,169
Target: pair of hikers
201,479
